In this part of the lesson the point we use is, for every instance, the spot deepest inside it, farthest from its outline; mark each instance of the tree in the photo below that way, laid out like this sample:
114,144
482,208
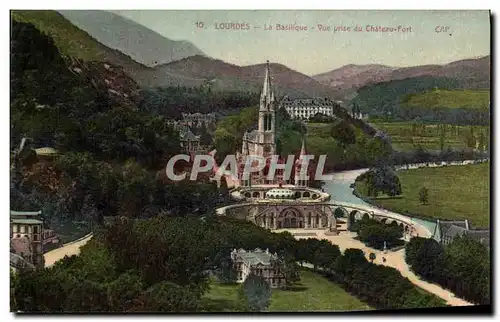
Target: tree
423,195
425,257
372,257
382,179
205,137
441,137
256,293
123,291
482,142
343,132
170,297
290,270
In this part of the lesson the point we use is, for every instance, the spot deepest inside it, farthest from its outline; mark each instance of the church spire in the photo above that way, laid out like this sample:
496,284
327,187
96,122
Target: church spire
303,148
267,95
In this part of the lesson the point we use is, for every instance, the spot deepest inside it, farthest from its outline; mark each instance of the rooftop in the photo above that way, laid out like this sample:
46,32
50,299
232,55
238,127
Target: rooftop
189,136
25,221
25,213
255,257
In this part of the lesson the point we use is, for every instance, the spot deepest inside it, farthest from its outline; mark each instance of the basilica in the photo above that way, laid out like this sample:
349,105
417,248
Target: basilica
277,202
262,142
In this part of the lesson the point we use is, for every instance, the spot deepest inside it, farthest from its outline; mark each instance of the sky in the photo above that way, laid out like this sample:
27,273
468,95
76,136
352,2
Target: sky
424,37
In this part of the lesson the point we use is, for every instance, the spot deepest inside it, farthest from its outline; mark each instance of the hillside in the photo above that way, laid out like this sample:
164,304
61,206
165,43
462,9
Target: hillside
448,98
354,76
191,71
139,42
75,42
470,73
387,99
198,70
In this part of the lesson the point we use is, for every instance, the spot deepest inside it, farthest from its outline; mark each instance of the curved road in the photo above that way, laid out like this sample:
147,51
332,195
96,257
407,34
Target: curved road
69,249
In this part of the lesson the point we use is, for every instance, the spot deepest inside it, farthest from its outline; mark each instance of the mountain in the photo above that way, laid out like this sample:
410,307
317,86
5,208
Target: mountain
142,44
354,76
198,70
471,73
74,42
191,71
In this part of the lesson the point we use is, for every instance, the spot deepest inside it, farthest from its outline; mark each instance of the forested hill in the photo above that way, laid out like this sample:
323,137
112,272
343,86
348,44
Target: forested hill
388,100
109,149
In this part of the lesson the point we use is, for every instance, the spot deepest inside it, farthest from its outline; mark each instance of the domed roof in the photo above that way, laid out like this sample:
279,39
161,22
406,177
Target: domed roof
280,193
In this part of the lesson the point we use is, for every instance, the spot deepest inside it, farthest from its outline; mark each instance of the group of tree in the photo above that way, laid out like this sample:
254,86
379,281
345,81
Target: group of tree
163,264
143,265
380,286
377,234
172,101
381,179
111,155
462,266
73,111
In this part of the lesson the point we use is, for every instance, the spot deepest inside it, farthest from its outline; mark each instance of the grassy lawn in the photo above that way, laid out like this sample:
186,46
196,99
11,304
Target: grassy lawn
455,192
450,99
407,137
312,293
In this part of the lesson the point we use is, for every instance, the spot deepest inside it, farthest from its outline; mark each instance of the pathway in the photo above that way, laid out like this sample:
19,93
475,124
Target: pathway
69,249
393,259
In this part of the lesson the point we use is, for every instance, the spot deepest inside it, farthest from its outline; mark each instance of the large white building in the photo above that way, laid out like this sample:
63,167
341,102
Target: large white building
304,108
260,263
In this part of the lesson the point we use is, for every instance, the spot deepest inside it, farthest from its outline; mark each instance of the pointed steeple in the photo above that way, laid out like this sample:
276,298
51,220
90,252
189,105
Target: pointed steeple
303,148
267,95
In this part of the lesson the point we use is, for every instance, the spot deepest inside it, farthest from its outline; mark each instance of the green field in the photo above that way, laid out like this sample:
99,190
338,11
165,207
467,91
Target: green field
406,136
455,192
449,99
312,293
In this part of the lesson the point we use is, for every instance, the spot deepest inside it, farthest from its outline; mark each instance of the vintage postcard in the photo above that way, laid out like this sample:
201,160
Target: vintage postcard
250,161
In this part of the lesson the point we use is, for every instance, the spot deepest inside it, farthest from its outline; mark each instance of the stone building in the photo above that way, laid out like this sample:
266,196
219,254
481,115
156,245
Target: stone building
190,143
260,263
26,233
304,108
198,119
449,229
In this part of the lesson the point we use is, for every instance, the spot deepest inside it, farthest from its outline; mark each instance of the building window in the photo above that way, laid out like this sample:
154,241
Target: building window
22,229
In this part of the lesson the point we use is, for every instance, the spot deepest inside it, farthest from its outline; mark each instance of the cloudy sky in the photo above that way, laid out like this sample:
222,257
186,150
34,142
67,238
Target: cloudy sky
312,51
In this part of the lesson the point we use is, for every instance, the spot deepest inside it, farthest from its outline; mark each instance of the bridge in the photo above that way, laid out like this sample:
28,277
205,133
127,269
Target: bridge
352,212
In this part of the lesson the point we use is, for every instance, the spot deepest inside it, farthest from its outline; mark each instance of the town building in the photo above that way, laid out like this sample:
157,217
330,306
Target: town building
260,263
304,108
26,233
190,143
198,119
449,229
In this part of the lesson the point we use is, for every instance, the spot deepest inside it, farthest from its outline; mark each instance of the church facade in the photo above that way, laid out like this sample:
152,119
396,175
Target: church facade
261,142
